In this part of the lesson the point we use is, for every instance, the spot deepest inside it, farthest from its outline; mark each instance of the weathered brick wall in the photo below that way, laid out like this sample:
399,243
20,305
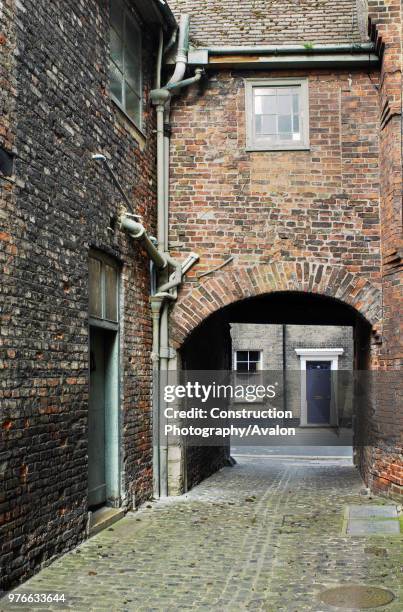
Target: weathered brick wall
318,206
382,461
64,205
260,337
7,75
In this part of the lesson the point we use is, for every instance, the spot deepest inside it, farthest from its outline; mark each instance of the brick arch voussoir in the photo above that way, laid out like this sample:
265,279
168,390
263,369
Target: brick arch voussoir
229,286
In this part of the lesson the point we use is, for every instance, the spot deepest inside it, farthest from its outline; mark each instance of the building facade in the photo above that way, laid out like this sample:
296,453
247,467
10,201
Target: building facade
76,326
311,364
288,206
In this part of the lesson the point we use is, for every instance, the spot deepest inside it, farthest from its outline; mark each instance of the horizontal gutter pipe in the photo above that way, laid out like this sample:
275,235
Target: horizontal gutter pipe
138,232
293,49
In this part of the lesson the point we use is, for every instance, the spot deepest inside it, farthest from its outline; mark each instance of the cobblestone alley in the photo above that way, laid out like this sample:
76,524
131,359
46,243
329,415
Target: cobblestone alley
263,535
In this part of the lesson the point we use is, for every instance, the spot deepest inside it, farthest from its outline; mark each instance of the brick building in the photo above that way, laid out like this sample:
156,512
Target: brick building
61,103
295,217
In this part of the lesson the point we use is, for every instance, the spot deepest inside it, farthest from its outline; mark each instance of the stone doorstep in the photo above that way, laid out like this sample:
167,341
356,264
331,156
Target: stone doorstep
103,518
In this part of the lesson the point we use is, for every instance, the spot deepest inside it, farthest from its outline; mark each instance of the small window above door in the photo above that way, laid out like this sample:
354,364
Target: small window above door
103,280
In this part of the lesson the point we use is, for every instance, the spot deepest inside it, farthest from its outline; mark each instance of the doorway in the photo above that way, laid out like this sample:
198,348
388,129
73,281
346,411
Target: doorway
101,448
318,392
103,405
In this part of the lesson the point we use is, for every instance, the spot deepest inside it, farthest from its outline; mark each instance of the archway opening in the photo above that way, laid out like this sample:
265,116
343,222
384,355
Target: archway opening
285,323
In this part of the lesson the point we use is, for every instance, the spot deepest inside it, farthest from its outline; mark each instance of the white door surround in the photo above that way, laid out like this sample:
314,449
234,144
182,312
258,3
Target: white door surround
319,354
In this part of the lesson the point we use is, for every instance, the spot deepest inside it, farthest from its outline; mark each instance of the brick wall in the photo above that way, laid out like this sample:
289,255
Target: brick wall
62,205
382,461
257,337
299,220
318,206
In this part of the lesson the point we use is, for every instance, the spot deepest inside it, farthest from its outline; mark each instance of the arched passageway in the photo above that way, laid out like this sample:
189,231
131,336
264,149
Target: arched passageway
292,319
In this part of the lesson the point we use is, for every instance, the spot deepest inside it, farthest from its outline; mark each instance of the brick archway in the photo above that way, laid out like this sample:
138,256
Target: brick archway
225,287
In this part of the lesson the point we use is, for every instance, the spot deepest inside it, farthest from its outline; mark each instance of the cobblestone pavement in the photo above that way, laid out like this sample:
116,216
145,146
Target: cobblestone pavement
263,535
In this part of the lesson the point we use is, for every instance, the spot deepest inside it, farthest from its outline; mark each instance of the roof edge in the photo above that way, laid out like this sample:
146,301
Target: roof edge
156,11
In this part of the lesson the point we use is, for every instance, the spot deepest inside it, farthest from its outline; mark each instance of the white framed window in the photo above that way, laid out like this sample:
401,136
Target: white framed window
125,70
277,114
247,362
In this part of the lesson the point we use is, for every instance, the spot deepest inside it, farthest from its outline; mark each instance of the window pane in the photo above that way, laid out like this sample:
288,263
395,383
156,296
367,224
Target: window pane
116,14
254,356
265,103
242,355
269,104
242,367
116,49
133,71
111,292
267,125
95,287
265,91
132,37
286,136
284,124
116,82
295,103
284,104
132,104
252,366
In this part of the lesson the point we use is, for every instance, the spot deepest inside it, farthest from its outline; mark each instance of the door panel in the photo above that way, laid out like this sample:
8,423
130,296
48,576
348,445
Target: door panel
96,420
318,392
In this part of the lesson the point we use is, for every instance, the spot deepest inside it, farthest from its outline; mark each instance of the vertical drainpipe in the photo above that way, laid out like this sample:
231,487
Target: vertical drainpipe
155,313
160,307
284,369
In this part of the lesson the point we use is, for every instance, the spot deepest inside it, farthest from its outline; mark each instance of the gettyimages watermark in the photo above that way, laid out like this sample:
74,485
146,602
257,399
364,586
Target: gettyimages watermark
205,393
308,408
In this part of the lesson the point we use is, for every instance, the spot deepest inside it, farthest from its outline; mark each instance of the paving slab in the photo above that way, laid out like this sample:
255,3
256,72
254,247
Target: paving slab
374,527
370,510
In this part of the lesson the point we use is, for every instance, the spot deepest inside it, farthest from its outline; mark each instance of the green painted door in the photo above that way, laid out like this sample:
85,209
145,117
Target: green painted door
96,420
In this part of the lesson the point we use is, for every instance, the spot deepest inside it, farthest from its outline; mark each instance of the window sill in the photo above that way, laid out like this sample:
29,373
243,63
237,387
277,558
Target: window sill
128,124
269,149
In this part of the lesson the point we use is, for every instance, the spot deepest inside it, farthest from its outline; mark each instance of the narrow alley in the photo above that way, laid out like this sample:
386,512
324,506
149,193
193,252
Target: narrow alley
266,534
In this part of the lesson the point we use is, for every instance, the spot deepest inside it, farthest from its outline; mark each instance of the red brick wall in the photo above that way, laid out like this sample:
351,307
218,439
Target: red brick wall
384,462
274,212
318,206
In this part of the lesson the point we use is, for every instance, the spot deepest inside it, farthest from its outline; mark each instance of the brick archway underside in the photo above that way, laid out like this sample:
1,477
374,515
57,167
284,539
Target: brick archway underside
229,286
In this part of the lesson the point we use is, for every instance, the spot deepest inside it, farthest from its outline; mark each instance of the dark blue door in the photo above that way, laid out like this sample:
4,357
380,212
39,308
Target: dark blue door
318,392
